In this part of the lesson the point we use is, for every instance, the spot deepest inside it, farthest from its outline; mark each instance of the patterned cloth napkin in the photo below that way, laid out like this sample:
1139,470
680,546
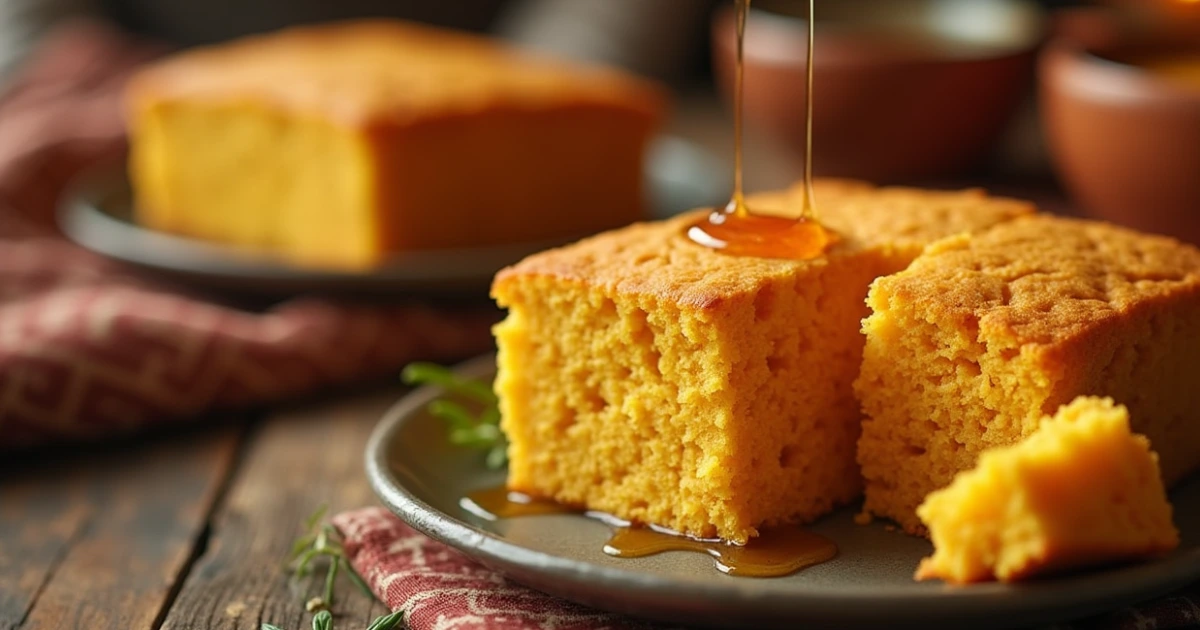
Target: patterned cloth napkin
440,588
88,348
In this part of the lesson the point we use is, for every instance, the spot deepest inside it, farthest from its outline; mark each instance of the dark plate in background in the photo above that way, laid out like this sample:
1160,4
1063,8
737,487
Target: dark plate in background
98,215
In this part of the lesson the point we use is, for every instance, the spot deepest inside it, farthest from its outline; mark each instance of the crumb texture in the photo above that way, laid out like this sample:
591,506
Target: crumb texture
648,377
1081,490
982,336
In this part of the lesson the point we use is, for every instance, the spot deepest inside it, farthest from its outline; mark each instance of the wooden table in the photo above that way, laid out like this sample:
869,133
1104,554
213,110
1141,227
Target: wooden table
191,529
187,529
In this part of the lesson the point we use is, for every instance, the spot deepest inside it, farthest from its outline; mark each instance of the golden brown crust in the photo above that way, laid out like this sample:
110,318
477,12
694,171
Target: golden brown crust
658,259
1043,280
374,71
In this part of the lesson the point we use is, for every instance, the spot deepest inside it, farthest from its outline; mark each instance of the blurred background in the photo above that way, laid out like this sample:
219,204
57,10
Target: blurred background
667,38
916,91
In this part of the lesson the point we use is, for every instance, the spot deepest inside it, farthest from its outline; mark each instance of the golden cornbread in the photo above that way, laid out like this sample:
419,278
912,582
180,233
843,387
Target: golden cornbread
1081,490
337,145
982,336
643,375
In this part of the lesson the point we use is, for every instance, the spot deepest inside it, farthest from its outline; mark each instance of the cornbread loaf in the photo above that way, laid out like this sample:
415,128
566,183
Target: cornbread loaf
982,336
337,145
646,376
1081,490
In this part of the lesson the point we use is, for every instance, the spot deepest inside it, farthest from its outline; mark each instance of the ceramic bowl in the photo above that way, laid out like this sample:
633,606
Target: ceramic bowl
905,89
1125,142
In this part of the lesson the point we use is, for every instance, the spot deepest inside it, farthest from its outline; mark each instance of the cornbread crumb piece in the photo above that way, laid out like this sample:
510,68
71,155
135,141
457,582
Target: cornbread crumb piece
983,336
863,518
648,377
1082,490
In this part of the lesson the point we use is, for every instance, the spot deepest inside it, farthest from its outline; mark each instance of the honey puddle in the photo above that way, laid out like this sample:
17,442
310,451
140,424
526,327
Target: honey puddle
737,230
497,503
776,552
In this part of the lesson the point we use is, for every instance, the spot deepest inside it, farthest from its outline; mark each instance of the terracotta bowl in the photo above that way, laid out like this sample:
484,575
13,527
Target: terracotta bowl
1125,143
905,90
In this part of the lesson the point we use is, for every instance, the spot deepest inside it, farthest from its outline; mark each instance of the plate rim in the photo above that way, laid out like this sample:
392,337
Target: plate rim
1040,602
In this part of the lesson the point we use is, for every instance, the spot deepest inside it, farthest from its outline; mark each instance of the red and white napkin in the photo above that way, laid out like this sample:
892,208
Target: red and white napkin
439,588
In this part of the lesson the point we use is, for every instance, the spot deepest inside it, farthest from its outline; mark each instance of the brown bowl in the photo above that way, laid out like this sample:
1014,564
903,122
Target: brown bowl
1125,143
906,89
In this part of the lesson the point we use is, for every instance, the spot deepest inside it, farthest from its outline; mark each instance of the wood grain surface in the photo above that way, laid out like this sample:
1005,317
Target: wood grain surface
181,531
293,463
101,540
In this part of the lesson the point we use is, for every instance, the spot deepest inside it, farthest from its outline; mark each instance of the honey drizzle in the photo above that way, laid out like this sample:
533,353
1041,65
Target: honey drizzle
737,205
777,552
737,230
810,198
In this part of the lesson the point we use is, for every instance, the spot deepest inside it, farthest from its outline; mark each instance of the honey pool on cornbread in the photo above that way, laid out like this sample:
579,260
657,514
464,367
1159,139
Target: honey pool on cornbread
738,229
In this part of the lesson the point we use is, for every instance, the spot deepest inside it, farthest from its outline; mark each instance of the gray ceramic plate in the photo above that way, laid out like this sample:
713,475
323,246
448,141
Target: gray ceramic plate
420,477
98,215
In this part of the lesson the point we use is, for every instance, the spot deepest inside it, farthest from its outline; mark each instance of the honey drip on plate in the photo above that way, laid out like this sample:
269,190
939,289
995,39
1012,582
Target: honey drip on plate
737,230
496,503
775,553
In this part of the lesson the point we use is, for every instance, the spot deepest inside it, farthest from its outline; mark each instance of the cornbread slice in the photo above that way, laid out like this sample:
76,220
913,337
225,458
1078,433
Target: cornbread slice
981,337
1082,490
337,145
654,379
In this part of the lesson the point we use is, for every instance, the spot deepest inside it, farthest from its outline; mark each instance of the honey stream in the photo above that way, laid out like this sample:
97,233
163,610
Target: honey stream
777,552
739,231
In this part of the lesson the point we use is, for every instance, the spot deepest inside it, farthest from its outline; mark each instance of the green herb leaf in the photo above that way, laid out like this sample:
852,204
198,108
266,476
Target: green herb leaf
497,458
431,374
315,518
322,620
454,414
331,580
387,622
357,579
267,626
477,431
302,543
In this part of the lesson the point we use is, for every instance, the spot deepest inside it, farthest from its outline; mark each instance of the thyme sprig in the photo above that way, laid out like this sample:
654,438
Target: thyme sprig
323,620
321,544
321,541
480,430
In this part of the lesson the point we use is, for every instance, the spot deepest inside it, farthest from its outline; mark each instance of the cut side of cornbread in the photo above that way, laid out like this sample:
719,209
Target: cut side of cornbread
643,375
982,336
338,145
1081,490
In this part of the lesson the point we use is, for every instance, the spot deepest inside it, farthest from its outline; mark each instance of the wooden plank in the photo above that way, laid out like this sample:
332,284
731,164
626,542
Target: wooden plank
297,461
101,539
39,519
